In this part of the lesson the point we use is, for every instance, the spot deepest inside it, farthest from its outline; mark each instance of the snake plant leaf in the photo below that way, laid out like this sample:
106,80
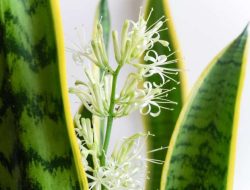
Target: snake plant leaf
163,125
202,148
104,16
38,149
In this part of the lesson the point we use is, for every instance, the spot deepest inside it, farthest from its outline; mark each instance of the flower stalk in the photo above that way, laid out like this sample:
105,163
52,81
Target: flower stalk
99,95
111,116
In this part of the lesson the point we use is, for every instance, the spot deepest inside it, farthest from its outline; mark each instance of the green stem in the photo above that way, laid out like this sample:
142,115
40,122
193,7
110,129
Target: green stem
110,117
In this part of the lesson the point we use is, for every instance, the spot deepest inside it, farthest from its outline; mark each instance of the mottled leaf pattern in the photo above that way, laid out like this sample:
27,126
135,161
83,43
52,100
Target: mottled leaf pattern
35,151
201,153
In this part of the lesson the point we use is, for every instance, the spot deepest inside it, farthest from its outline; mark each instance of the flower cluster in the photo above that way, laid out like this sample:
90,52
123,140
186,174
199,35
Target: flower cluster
94,94
136,40
123,169
87,141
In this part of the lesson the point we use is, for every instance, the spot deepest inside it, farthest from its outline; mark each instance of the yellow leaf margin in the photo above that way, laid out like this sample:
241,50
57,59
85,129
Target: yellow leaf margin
55,8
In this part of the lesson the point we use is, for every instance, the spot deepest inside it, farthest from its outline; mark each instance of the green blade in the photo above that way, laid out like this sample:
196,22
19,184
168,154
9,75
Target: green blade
202,149
163,125
103,15
36,131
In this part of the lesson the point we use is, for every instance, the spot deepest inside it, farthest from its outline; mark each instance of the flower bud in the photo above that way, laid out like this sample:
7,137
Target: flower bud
116,46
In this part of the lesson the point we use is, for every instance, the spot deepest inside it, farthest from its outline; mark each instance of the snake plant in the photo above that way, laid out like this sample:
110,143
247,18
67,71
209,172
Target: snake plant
41,148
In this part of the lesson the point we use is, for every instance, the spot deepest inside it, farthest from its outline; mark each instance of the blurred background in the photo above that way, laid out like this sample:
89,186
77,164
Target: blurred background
203,29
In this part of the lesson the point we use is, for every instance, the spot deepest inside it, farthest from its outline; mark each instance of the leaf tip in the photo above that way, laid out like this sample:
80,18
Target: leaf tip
245,31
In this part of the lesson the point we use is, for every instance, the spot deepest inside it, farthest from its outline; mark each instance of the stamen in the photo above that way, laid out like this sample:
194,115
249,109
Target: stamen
149,15
158,149
140,12
164,29
155,23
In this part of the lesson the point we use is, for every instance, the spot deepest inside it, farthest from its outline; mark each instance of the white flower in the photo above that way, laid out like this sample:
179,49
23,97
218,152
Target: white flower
95,94
143,38
94,51
99,50
81,50
124,168
152,100
88,142
136,38
84,130
158,65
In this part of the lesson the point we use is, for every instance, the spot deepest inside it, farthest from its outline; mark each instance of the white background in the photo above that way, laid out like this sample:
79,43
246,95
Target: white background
203,29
